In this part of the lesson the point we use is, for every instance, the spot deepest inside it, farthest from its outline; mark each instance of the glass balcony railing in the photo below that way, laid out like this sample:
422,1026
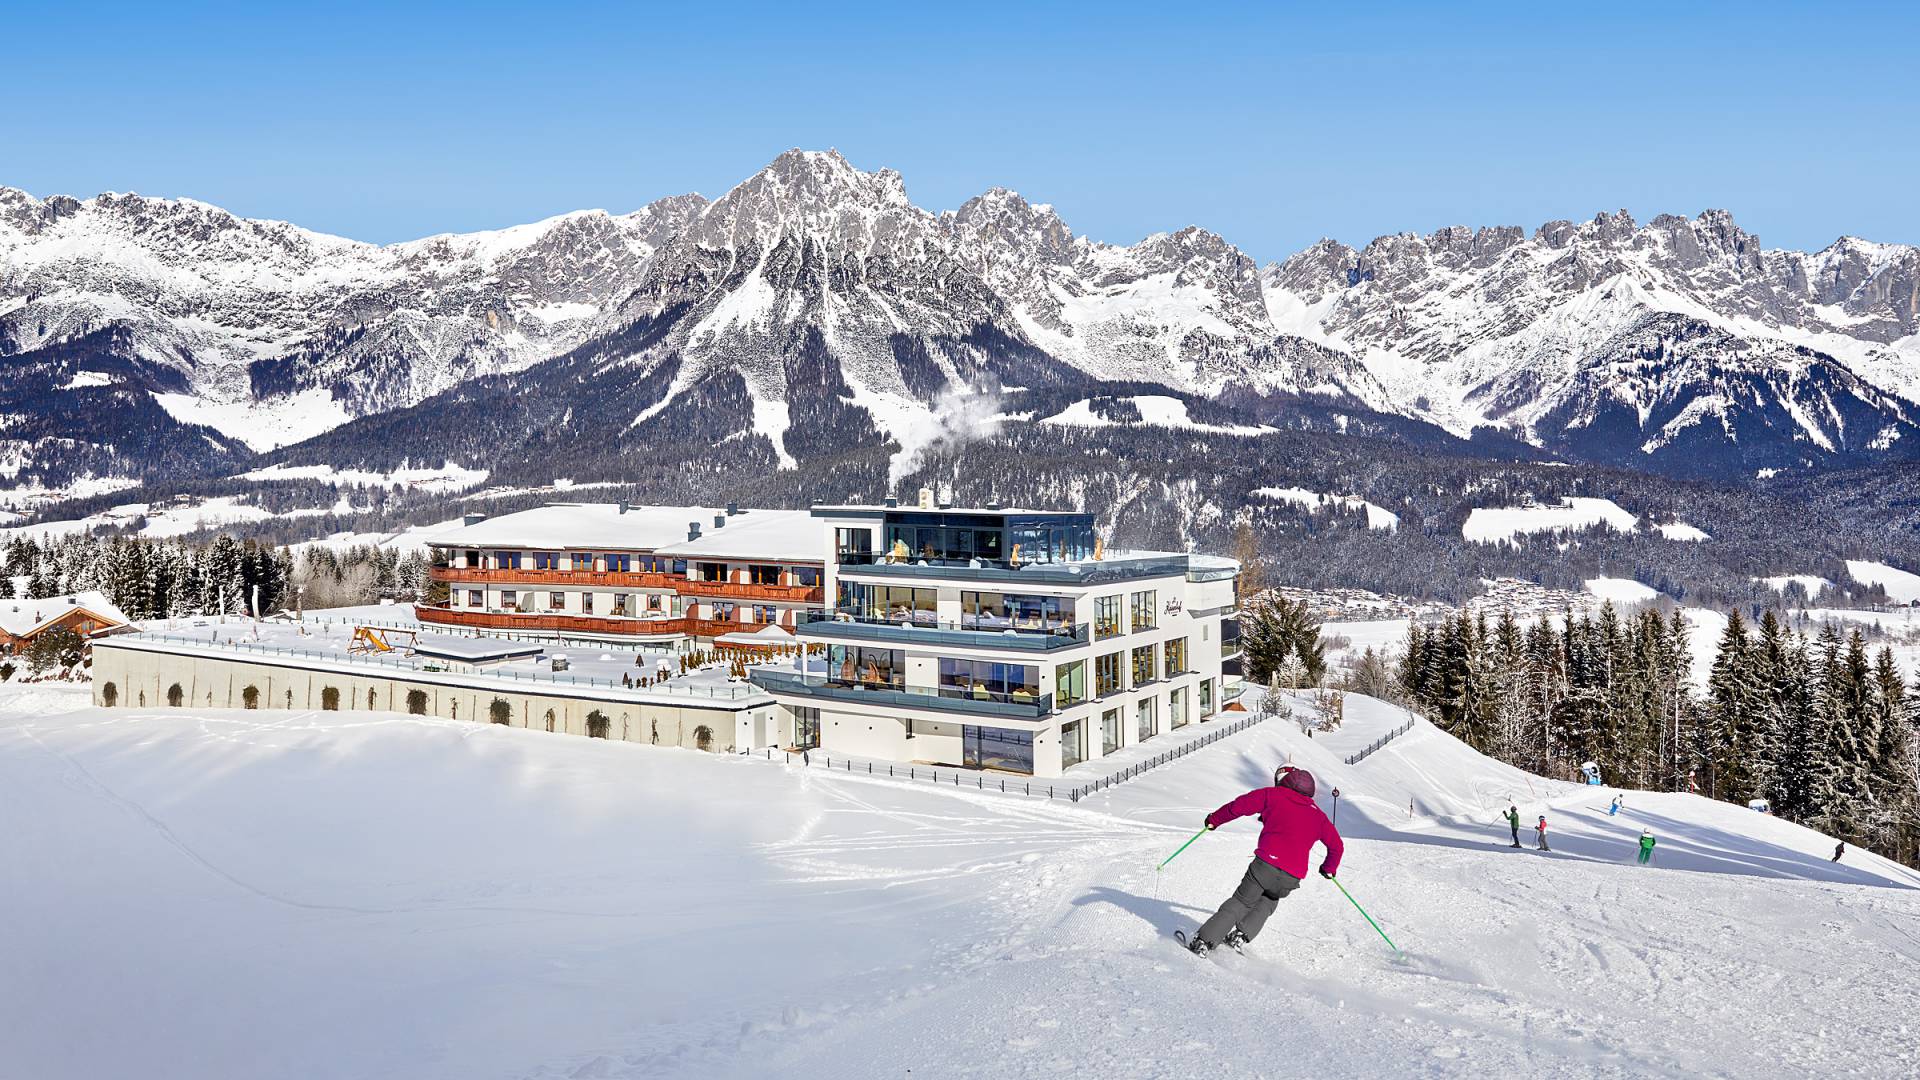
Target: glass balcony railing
980,631
1019,704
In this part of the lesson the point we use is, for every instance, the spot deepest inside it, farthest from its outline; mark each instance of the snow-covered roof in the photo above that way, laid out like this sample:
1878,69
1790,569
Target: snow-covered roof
774,534
21,618
770,634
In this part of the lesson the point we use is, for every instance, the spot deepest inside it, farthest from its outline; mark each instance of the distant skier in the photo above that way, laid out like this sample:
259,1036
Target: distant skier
1838,850
1615,808
1541,830
1513,822
1290,824
1646,846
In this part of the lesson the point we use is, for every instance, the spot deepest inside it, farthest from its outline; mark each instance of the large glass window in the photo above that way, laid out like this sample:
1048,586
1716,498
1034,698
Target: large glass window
997,748
1143,672
1144,610
1000,611
988,680
1206,697
810,576
1070,684
760,574
1073,743
583,560
1109,731
1146,715
893,603
1174,653
863,665
586,603
1177,707
1106,675
1106,617
622,564
806,727
853,546
546,560
710,571
506,560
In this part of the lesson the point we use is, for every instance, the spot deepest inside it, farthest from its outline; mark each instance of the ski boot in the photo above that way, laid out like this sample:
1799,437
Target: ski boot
1236,940
1197,946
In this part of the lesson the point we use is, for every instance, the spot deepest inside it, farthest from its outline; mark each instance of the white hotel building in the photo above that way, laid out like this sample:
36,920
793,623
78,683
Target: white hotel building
988,638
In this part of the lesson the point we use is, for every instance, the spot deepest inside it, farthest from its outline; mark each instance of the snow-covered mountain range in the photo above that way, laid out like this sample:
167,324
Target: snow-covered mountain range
815,292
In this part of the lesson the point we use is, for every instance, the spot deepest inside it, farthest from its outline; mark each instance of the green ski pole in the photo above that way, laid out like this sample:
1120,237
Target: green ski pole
1182,847
1363,913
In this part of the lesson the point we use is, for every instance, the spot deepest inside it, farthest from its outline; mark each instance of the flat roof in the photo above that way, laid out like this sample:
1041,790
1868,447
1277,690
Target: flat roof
785,535
473,649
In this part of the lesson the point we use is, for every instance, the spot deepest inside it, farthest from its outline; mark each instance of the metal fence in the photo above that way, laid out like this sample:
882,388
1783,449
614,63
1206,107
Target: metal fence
1355,758
1049,789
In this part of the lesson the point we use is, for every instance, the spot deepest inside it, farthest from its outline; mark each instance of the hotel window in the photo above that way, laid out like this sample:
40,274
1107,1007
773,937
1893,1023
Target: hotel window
763,575
1070,683
1106,675
1143,611
1110,731
1175,654
556,601
1206,697
476,598
724,610
1073,744
619,605
620,564
853,546
583,560
546,560
987,680
1146,715
766,613
861,665
1106,617
1177,707
586,603
1143,665
508,598
810,576
710,571
654,605
506,560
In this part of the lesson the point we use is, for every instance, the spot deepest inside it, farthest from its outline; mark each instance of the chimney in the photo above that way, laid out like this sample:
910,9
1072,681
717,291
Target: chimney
719,521
733,508
926,498
472,519
693,530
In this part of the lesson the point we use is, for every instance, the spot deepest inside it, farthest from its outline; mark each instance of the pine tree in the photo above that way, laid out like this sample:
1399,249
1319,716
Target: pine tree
1732,698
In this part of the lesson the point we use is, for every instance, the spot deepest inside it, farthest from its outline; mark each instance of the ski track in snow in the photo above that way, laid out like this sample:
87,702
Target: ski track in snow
333,895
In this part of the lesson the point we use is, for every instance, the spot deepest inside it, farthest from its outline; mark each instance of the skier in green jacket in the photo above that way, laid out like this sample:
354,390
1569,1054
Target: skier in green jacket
1513,822
1646,846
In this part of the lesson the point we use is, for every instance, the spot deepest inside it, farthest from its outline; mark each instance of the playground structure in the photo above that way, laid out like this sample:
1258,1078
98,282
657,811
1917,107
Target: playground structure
367,639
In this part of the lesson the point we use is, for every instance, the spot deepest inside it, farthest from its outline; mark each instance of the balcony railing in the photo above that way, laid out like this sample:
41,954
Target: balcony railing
942,698
530,623
623,579
974,631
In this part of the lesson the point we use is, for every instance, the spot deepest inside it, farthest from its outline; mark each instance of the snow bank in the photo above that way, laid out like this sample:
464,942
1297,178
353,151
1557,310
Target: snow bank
1378,517
1488,525
1902,586
1621,590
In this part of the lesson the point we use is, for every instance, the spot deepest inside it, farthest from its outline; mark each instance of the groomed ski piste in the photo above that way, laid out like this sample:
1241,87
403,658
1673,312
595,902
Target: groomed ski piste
304,894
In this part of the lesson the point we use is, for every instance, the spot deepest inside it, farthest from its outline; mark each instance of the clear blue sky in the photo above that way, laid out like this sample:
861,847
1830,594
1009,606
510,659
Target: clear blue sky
1273,124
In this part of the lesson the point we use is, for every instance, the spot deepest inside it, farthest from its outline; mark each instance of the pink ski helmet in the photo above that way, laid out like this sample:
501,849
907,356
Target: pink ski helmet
1300,780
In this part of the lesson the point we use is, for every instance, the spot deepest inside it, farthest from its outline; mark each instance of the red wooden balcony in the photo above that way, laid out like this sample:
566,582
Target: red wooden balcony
531,623
732,590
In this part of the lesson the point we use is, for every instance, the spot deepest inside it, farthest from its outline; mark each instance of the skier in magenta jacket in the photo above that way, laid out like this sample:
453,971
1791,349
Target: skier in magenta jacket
1290,824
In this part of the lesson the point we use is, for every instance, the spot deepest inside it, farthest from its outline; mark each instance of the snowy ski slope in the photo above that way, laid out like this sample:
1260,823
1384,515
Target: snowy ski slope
198,894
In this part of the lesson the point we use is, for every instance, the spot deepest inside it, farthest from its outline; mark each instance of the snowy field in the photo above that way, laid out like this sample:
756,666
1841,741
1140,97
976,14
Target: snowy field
1492,525
371,895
